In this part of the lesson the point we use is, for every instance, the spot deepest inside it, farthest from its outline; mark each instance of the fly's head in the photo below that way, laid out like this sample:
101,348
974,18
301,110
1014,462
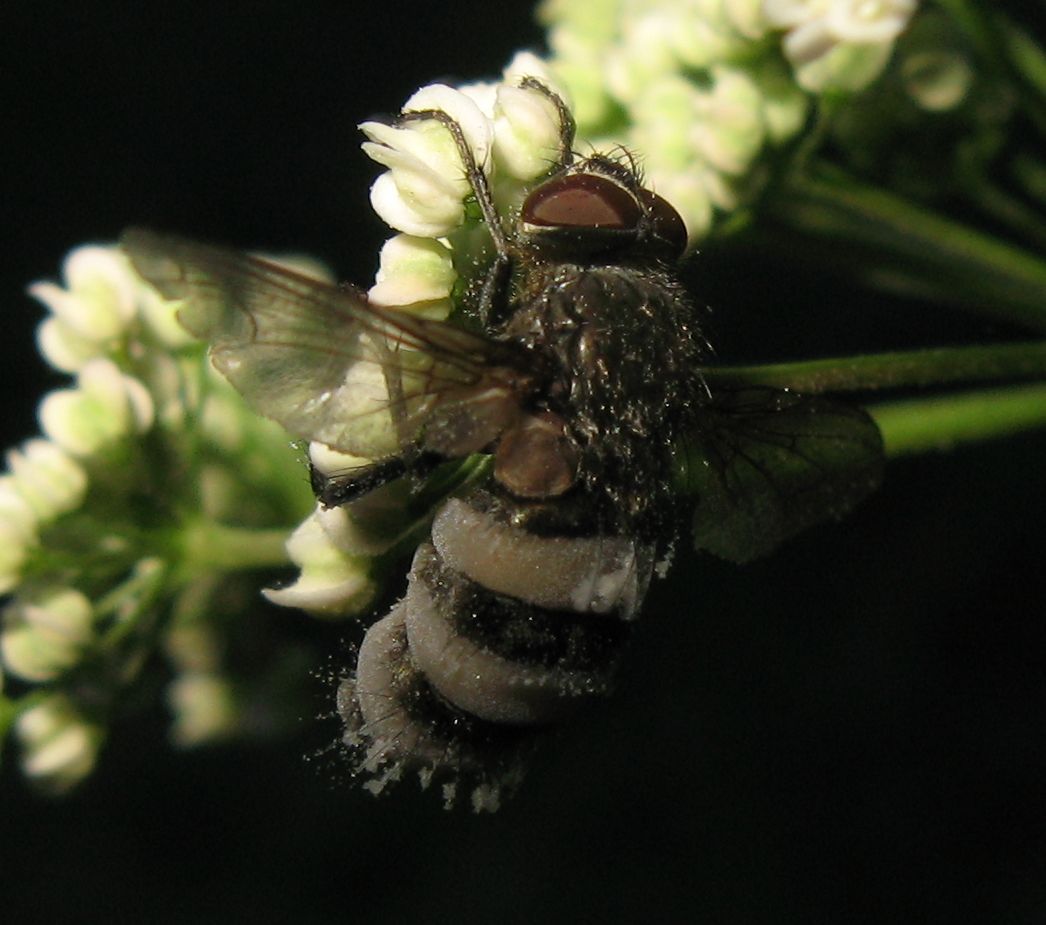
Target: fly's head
597,210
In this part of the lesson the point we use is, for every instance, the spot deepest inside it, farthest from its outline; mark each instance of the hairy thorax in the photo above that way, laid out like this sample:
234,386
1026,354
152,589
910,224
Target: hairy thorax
619,347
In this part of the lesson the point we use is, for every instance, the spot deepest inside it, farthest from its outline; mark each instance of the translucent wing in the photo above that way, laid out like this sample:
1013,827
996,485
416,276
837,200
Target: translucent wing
766,464
326,364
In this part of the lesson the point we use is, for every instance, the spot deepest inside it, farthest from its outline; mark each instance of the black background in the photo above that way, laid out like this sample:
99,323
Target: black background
850,731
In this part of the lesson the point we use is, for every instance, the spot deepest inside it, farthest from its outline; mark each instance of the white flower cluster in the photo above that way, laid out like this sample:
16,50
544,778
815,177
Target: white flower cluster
74,557
512,133
48,625
838,44
89,321
698,87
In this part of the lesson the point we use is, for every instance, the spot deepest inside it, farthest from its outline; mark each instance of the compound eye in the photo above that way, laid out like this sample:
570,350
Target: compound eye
581,200
665,221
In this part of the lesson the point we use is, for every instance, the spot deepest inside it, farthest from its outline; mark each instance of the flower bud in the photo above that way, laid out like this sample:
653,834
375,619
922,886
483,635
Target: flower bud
424,189
14,550
105,406
204,709
331,582
62,347
527,128
47,478
45,631
100,294
59,746
416,274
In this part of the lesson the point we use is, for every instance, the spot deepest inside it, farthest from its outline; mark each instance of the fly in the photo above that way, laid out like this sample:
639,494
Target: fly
583,385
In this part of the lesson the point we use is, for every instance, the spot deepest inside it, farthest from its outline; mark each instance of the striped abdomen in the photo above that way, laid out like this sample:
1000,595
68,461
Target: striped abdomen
502,631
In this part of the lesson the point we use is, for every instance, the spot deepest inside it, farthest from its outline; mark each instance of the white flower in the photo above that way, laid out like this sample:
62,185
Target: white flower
16,513
938,80
204,708
92,311
60,345
787,14
59,746
745,16
845,67
368,526
47,478
469,117
423,191
414,196
527,64
45,632
645,54
160,317
838,44
729,128
416,274
698,141
332,583
526,132
578,63
14,551
105,406
511,132
869,22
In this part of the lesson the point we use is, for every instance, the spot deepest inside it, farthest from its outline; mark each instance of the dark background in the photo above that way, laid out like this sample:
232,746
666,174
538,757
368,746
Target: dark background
851,731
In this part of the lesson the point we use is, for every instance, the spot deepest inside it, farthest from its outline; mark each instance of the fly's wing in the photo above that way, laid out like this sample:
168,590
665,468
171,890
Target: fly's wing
326,364
766,464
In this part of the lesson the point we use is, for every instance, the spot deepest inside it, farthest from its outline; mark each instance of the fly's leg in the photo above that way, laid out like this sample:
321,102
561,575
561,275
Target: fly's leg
473,172
567,125
492,296
495,285
336,489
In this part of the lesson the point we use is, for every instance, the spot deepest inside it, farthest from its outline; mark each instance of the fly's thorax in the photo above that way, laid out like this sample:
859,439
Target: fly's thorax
622,344
503,630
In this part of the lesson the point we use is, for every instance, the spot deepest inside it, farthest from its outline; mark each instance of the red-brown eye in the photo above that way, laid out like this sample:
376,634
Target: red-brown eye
581,200
665,221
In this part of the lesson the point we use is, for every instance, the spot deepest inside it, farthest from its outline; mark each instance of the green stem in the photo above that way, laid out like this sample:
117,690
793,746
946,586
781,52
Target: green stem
914,368
1030,172
209,546
1026,58
129,600
909,249
926,424
8,712
11,709
1008,210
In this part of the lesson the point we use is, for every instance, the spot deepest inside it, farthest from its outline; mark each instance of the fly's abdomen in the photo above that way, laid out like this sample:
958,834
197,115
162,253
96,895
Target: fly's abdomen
502,631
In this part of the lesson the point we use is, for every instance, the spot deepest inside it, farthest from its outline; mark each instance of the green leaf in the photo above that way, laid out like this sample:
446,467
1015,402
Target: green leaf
766,464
